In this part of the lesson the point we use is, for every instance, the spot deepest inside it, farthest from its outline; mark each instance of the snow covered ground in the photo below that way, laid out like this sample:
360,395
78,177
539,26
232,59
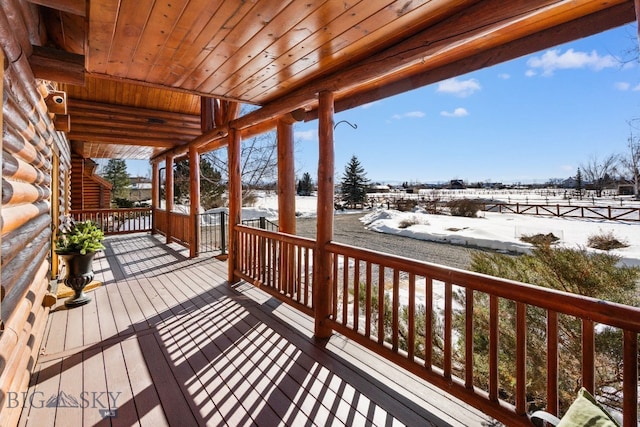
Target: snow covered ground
491,230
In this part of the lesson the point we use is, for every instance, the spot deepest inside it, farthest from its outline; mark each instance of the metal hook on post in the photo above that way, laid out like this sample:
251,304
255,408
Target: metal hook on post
354,126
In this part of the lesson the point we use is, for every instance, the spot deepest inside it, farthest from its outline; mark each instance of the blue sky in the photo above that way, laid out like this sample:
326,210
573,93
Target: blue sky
528,120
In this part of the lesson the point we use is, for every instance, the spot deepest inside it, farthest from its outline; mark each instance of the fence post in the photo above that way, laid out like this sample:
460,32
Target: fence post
263,223
223,234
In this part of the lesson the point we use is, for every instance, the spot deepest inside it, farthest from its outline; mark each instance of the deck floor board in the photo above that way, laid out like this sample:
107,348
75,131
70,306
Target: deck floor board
169,342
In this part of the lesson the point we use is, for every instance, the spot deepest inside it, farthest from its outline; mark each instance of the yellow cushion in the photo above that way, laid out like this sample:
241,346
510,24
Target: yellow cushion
586,411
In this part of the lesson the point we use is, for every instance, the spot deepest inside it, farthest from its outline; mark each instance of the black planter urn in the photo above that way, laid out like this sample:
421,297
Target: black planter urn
79,274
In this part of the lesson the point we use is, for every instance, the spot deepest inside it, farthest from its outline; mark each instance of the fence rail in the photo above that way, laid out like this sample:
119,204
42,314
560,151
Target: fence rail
117,221
214,231
440,323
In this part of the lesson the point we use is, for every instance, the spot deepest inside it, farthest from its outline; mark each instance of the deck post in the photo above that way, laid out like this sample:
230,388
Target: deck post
235,200
322,286
194,197
155,194
169,194
286,178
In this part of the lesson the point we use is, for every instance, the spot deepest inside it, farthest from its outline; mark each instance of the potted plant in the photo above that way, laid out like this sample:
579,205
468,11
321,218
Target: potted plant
77,244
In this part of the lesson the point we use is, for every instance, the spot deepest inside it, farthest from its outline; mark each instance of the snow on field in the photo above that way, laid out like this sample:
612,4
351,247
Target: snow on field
490,230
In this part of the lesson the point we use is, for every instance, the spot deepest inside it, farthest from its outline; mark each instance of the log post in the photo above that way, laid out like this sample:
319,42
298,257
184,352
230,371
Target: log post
322,286
286,178
155,194
168,191
235,200
194,197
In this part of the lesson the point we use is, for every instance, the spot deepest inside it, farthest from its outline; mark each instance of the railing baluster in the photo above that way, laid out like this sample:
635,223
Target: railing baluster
552,362
335,281
345,288
306,276
411,337
367,306
521,357
380,304
428,323
630,379
588,353
468,344
356,293
493,348
395,322
448,329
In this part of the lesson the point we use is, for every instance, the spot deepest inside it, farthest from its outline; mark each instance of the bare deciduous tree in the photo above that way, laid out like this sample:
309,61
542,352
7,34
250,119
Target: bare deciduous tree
599,173
630,162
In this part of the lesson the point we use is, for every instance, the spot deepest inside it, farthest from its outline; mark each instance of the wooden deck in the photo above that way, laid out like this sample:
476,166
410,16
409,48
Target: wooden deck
167,341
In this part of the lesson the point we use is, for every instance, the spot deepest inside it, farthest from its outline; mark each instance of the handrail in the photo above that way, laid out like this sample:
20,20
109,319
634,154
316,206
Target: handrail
374,282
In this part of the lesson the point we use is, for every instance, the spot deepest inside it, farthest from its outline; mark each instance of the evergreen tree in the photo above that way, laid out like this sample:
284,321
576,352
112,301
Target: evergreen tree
116,173
579,183
305,185
354,183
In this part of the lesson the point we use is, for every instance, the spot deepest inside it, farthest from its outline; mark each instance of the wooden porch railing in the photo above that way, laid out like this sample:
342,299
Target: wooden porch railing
433,336
278,263
177,223
117,221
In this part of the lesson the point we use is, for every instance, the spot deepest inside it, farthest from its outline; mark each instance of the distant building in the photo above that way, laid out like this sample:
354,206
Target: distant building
140,189
456,184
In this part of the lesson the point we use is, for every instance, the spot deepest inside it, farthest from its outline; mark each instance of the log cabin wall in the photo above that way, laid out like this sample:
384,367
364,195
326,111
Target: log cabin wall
29,144
88,190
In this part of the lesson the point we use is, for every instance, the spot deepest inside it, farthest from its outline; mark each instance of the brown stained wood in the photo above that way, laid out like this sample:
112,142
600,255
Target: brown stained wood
448,322
521,358
630,378
194,193
286,179
322,285
57,65
468,339
552,362
70,372
235,199
411,343
76,7
493,348
588,355
395,311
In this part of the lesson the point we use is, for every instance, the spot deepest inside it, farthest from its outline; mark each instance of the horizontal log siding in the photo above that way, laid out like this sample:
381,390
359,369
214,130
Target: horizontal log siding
29,140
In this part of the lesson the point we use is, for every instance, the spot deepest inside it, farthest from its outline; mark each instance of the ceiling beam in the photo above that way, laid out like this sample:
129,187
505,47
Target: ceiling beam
76,7
57,65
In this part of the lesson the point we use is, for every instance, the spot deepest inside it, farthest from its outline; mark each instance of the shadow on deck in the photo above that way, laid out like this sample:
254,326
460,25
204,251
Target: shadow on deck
167,341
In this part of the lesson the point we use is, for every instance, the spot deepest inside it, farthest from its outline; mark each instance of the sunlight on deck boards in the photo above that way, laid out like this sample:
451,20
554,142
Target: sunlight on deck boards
166,341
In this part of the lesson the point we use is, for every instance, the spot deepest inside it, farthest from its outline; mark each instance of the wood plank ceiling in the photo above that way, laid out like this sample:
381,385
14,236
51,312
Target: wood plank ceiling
148,62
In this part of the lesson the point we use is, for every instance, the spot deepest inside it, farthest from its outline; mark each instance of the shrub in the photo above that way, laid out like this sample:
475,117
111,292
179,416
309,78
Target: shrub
577,271
605,242
540,239
465,207
408,222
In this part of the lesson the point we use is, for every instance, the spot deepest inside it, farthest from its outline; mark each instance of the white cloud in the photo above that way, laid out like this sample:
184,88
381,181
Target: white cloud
410,114
623,86
530,73
461,88
553,60
504,76
306,135
636,88
458,112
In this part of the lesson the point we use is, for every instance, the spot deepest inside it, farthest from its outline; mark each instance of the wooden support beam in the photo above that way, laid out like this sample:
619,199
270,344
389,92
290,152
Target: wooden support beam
168,191
194,197
286,179
57,65
155,194
235,200
322,285
75,7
